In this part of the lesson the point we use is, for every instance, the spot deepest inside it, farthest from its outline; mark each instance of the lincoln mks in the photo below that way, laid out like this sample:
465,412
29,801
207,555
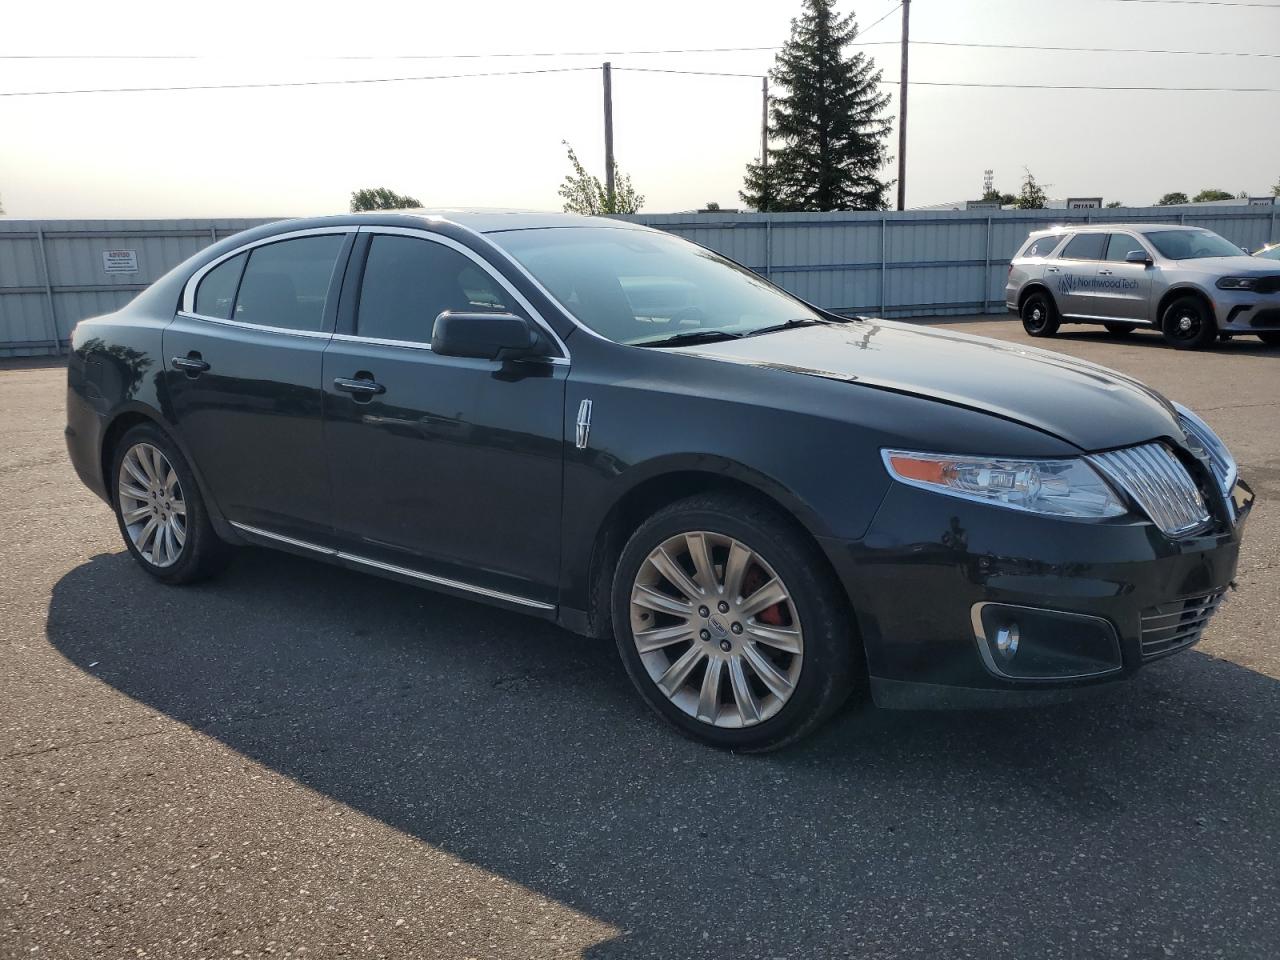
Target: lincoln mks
769,507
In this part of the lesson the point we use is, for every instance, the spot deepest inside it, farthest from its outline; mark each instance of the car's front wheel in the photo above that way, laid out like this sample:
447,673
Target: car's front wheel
1188,324
160,511
1039,315
731,625
1270,339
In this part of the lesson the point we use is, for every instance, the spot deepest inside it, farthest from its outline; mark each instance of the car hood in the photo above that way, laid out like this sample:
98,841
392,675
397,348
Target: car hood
1243,265
1082,403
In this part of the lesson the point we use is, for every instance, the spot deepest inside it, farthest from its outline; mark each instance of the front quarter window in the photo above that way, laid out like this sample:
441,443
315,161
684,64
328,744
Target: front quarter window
640,287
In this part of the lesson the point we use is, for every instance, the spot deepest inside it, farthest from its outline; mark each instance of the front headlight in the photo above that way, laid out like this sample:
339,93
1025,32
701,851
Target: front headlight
1205,444
1237,283
1062,488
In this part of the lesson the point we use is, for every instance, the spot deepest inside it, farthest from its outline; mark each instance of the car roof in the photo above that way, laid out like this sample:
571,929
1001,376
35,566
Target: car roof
480,221
1131,227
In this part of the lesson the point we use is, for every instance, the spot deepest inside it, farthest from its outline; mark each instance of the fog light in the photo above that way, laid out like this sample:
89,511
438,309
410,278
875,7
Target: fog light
1007,640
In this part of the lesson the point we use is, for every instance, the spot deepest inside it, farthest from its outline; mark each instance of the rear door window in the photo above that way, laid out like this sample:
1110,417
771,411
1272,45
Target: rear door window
217,291
286,284
1085,246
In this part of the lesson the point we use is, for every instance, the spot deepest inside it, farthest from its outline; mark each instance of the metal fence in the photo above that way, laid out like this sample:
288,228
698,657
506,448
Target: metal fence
918,263
54,273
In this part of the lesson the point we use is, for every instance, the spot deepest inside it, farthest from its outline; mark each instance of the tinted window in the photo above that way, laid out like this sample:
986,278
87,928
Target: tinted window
217,291
1119,245
409,282
285,284
1085,246
1042,246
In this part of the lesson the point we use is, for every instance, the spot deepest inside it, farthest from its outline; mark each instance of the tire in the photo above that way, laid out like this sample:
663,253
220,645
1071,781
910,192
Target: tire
1119,329
808,646
1188,325
182,546
1270,339
1040,315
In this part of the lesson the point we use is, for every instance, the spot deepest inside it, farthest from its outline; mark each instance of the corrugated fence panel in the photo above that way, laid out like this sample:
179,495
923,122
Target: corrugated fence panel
916,263
93,267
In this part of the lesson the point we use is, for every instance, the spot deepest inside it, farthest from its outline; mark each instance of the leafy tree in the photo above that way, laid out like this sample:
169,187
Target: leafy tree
829,120
380,198
711,206
1032,196
1113,204
2,205
1206,195
1275,191
583,192
995,196
1171,200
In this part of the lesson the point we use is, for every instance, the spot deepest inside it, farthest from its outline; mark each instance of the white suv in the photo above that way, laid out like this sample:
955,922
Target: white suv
1189,283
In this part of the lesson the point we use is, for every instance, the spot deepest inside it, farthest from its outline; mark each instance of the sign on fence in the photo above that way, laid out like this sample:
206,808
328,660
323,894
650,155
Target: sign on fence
120,261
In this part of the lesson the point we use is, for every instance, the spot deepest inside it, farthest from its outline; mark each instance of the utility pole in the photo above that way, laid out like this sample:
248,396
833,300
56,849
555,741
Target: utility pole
608,136
902,108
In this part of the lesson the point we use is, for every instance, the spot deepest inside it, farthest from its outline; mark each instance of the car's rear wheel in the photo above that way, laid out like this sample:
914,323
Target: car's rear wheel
1270,339
1040,315
160,511
1188,324
731,625
1119,329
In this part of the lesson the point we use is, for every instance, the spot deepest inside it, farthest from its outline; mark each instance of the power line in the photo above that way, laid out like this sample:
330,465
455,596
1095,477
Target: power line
892,10
1027,46
390,56
293,83
1207,3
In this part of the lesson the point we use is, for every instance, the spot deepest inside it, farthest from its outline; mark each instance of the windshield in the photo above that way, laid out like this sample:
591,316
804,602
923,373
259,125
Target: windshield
643,288
1192,244
1271,253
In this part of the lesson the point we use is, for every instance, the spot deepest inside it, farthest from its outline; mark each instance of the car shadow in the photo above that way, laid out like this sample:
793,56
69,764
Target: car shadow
1139,819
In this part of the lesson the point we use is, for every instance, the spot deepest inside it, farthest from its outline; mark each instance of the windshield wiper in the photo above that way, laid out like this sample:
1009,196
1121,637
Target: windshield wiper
690,336
789,325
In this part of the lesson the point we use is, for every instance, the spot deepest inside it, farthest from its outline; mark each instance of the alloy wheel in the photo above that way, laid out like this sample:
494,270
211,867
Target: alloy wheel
152,505
716,629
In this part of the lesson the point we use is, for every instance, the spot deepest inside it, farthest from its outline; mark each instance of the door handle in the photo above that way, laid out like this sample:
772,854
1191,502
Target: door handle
192,364
1052,270
362,389
1105,273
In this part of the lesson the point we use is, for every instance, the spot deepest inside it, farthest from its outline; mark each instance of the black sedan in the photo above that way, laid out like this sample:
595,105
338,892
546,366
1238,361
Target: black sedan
768,506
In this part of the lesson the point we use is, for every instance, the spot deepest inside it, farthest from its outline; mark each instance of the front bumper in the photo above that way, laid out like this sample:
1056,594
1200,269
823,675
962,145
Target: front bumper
1239,311
929,563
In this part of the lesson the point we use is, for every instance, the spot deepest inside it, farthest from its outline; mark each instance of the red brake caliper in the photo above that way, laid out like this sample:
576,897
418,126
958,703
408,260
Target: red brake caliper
753,581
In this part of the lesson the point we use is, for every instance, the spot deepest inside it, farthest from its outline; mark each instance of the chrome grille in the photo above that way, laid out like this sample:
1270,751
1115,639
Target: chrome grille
1159,483
1172,626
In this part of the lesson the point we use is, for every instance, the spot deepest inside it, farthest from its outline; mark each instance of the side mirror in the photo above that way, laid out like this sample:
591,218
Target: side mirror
488,336
1138,256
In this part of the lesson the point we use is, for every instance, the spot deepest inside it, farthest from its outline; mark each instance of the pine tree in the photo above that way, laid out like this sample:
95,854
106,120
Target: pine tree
829,120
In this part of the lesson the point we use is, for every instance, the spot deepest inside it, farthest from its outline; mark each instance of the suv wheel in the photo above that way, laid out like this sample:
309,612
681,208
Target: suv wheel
1119,329
1270,339
158,506
1188,324
1039,315
730,625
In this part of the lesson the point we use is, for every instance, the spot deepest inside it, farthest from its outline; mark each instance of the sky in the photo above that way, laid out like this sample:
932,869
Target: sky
685,140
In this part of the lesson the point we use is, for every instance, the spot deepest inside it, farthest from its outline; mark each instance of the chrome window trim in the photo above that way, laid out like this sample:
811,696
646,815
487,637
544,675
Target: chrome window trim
988,661
189,291
392,568
432,237
426,347
240,324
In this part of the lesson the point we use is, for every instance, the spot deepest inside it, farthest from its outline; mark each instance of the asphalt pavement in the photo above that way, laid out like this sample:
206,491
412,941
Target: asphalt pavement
295,760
